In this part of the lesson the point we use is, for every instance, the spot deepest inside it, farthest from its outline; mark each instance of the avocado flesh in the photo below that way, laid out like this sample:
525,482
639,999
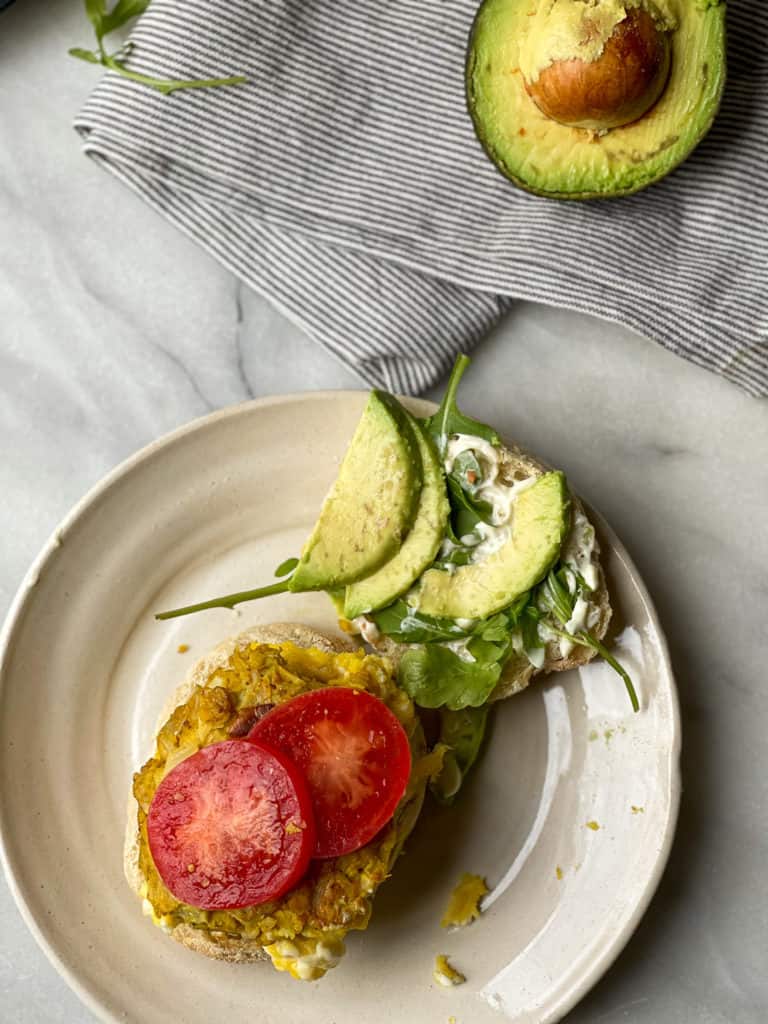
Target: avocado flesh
420,546
554,160
539,524
372,503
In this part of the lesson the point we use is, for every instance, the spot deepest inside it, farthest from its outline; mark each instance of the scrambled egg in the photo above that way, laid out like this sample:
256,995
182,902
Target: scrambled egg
303,931
464,904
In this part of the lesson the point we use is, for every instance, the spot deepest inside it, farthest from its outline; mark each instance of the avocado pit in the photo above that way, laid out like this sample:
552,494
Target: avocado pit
587,72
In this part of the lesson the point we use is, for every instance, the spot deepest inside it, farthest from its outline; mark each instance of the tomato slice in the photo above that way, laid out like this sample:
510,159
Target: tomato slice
354,754
231,826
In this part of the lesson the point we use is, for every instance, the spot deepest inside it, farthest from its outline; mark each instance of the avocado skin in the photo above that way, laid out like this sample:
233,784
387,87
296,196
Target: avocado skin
499,163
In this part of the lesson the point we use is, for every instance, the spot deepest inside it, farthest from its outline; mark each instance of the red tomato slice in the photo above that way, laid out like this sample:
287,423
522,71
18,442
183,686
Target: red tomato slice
231,826
354,754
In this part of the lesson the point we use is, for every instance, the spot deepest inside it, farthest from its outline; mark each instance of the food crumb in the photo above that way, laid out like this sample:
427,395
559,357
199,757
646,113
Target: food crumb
451,1020
182,648
638,810
292,828
445,974
464,904
593,735
608,735
593,825
559,872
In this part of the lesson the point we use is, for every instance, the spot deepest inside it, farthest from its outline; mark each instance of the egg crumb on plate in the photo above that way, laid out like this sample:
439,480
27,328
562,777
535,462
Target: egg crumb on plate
464,904
445,974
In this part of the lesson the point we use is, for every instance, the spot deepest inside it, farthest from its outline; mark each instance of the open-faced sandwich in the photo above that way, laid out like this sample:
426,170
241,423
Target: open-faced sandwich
288,772
469,567
466,560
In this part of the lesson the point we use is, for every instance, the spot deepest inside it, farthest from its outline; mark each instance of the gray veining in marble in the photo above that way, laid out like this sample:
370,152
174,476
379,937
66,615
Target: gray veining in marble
116,329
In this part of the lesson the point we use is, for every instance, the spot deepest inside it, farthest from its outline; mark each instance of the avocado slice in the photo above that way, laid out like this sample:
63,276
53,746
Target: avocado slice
539,524
419,547
526,57
372,504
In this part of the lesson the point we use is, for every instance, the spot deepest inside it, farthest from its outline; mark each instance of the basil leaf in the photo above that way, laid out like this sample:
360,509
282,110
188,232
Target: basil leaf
400,622
463,731
449,420
434,677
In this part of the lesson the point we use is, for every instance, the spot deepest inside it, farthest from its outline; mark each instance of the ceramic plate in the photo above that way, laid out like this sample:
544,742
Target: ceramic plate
569,816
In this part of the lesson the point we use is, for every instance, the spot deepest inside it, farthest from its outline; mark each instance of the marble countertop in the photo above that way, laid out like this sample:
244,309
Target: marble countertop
116,329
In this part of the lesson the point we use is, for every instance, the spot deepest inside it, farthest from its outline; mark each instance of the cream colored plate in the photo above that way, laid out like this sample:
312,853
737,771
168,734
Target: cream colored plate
85,669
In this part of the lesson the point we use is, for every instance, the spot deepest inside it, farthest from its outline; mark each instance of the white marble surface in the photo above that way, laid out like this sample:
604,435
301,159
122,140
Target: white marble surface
115,329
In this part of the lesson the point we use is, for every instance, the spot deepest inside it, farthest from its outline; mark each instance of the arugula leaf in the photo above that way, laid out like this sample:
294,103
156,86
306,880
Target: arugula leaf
286,567
104,22
466,511
586,639
122,12
400,622
463,732
434,677
529,631
449,420
556,595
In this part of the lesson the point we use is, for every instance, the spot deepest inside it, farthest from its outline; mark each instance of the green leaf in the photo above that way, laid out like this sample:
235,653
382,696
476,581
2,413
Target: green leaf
495,629
556,595
466,511
123,11
449,420
286,567
96,11
89,55
529,629
463,731
401,623
585,639
434,677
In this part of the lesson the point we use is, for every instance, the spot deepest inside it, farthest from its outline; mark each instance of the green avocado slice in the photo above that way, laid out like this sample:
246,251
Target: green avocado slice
552,159
475,591
371,506
419,547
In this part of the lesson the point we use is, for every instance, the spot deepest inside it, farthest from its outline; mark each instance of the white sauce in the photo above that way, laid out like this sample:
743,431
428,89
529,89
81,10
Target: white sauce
368,630
579,551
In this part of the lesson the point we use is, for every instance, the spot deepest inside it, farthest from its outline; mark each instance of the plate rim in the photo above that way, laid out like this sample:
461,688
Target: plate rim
599,966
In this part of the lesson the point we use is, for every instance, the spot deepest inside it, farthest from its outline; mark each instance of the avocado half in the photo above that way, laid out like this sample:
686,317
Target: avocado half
561,161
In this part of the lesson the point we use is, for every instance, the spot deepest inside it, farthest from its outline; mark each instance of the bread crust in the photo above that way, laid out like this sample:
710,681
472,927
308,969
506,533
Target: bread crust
518,671
219,945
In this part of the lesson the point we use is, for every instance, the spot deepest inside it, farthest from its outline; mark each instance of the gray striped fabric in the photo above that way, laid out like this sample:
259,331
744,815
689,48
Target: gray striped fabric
344,182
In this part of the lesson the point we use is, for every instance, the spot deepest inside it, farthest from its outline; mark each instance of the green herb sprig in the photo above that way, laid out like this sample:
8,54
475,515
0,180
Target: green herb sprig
105,22
554,594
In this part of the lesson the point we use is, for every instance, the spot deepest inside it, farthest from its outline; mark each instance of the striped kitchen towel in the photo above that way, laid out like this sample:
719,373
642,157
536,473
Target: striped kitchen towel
344,182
